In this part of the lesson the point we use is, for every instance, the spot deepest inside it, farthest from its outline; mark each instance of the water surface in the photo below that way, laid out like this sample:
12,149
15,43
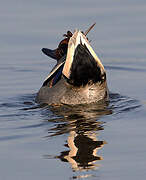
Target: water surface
100,141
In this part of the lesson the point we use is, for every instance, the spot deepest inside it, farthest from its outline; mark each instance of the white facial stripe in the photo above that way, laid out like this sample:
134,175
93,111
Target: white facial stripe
70,54
73,43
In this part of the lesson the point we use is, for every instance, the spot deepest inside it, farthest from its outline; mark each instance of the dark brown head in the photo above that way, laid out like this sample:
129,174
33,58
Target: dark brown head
61,49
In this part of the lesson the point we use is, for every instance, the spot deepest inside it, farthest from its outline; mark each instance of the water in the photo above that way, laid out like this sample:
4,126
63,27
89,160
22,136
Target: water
105,141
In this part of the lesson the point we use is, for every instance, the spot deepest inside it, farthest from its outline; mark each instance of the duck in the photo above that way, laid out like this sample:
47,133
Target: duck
78,77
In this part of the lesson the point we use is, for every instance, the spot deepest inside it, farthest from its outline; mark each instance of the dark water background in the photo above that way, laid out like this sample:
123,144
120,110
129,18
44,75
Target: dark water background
85,142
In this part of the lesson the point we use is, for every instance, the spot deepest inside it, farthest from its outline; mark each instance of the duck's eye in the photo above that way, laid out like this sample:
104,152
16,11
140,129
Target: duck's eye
103,77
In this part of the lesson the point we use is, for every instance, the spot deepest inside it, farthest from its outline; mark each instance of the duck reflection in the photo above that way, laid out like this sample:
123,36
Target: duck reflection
83,151
83,126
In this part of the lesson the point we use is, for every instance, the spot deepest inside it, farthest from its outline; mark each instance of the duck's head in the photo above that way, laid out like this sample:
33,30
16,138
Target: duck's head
61,50
82,66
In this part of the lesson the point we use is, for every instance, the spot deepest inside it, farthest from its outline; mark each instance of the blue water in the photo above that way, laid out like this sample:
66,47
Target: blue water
85,142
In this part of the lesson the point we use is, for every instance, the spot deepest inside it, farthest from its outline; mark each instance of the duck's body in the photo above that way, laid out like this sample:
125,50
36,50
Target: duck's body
61,93
82,79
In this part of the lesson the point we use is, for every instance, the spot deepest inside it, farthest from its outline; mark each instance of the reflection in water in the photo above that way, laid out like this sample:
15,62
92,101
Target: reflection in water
82,125
83,151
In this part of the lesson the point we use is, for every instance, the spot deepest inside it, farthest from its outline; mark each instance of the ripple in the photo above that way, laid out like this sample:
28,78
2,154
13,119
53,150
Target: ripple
120,68
13,137
19,101
63,119
123,104
31,126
